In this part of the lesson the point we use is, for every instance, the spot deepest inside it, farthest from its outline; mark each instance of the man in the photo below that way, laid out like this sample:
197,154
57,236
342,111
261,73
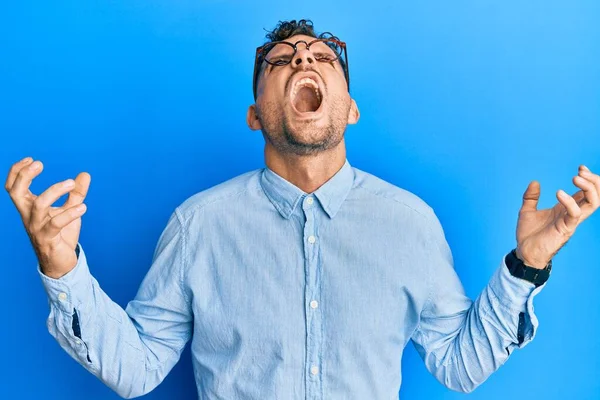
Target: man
302,280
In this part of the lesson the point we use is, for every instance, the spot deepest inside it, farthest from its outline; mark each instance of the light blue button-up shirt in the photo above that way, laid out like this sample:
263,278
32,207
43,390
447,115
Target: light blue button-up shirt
292,295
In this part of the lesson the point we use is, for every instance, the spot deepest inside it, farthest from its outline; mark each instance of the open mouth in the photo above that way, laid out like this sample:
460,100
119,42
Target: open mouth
306,95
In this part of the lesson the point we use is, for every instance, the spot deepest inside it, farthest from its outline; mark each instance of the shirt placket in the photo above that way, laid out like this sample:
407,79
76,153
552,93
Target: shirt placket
312,296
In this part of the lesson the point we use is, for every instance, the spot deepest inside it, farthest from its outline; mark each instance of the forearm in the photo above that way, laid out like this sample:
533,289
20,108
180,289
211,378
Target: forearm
465,350
99,334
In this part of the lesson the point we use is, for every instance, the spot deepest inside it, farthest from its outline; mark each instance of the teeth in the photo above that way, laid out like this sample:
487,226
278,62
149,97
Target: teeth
308,82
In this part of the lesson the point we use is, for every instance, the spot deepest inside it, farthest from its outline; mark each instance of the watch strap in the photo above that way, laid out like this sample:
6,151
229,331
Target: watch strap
518,269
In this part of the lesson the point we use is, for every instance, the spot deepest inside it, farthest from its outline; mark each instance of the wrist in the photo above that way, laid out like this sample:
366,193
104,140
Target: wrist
529,261
519,269
54,271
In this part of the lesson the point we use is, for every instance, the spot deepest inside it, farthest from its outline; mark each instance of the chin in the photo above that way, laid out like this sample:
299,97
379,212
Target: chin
304,133
310,137
308,128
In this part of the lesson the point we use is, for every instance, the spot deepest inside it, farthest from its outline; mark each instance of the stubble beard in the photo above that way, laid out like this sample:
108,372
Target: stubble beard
305,139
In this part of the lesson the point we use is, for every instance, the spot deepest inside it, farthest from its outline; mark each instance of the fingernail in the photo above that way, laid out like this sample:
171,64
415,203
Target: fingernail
80,208
26,159
34,166
68,183
586,173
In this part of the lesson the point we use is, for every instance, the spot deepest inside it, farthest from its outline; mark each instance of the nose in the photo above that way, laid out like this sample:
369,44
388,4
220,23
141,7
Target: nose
302,58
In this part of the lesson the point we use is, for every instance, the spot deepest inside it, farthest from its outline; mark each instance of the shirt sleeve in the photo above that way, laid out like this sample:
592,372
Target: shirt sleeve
130,350
463,342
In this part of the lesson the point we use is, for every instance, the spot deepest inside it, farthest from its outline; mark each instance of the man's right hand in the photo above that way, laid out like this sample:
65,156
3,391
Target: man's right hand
53,231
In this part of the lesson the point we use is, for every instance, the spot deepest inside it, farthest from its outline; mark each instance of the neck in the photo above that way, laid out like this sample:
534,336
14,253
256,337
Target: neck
307,172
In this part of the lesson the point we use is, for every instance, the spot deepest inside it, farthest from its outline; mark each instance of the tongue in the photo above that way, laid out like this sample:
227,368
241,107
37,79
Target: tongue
306,100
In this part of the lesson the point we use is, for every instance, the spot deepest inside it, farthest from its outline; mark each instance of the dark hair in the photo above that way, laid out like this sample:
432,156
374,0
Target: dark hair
286,29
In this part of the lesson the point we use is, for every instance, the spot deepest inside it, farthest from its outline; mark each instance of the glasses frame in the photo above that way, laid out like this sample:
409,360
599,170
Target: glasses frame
259,57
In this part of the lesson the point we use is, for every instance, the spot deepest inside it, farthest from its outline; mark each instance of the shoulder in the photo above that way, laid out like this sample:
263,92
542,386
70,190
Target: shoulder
405,204
229,190
386,192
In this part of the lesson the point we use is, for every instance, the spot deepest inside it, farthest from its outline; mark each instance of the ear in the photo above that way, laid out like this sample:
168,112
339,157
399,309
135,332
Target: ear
354,114
252,118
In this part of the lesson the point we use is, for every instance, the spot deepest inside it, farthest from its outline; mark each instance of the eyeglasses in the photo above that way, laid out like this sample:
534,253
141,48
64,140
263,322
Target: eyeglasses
324,49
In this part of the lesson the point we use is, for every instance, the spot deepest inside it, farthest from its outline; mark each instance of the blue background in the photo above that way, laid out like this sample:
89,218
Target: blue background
462,103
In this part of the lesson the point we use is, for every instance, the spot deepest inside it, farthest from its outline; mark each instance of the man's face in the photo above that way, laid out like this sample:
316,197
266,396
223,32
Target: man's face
302,107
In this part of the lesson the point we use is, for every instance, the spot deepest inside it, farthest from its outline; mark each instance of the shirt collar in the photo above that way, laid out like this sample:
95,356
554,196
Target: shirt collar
285,196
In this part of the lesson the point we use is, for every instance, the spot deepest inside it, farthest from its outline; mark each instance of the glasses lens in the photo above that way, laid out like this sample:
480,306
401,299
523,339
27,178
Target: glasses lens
326,50
278,53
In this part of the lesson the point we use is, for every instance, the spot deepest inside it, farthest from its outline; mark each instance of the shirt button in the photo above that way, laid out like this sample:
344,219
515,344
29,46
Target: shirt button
62,296
311,239
314,370
314,304
309,200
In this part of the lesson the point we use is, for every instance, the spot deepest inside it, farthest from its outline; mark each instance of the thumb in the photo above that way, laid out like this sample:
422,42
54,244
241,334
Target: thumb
531,197
77,195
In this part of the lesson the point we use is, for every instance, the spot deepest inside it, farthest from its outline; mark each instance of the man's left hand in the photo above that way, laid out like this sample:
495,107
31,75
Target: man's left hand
541,233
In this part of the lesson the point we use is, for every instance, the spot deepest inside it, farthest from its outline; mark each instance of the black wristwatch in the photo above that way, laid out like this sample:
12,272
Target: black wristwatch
518,269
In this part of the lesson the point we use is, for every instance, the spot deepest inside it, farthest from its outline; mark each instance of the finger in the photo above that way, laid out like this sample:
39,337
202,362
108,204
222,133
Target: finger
579,197
77,195
20,188
594,178
24,177
573,211
531,196
40,210
58,222
589,189
14,170
55,211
